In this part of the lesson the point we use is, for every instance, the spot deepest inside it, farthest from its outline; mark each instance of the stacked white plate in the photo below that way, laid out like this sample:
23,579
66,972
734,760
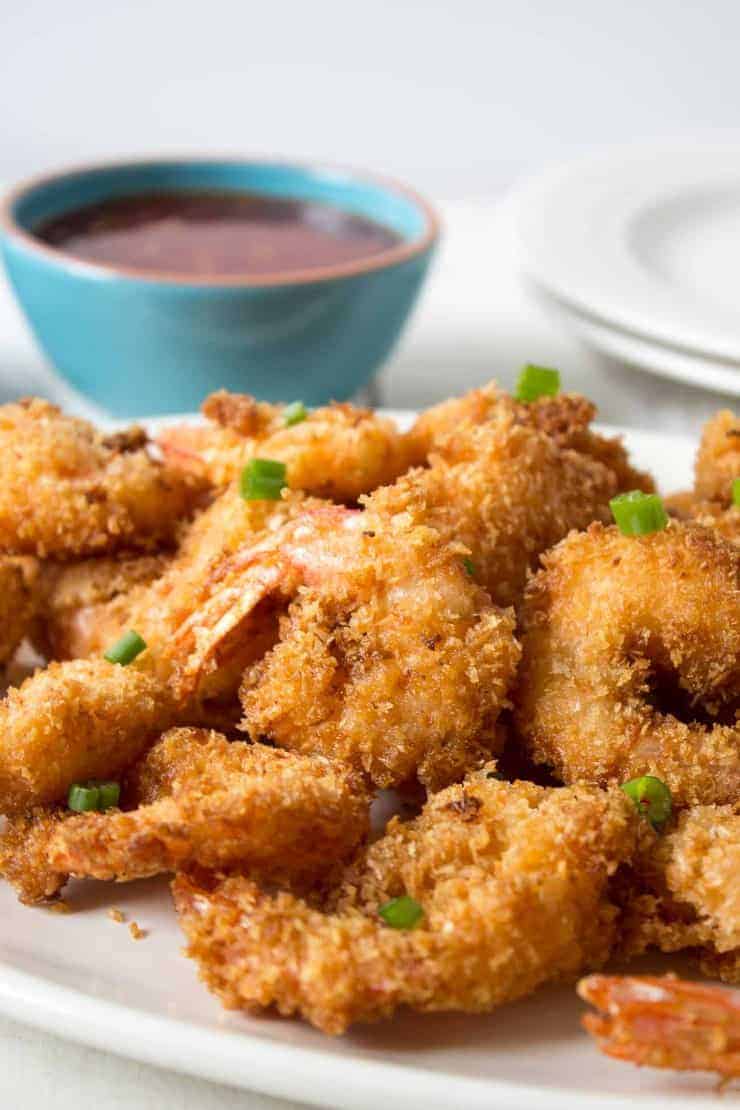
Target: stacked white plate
638,250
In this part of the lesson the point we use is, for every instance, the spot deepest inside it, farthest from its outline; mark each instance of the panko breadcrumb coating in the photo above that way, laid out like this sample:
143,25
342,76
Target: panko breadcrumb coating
74,721
390,657
512,880
506,493
718,458
712,514
565,419
230,805
631,661
18,602
24,858
337,452
68,491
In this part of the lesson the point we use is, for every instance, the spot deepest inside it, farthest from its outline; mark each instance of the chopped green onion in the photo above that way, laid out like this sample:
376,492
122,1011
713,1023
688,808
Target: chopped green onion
736,491
262,480
537,381
295,413
469,567
401,913
82,799
638,514
652,798
110,792
125,650
86,797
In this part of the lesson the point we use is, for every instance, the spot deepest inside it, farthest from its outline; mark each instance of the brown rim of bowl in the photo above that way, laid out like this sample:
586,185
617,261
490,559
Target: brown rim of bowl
391,257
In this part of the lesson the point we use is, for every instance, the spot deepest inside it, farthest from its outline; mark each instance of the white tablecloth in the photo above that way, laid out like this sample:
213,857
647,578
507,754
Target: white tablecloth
475,321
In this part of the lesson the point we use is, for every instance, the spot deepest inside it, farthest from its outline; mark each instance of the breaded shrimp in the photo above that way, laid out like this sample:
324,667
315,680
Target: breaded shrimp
390,656
74,721
631,661
230,805
507,493
718,458
24,861
665,1022
18,601
68,491
512,883
337,452
712,514
682,890
565,419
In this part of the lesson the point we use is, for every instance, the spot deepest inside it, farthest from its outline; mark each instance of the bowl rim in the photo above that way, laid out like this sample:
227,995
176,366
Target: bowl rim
392,256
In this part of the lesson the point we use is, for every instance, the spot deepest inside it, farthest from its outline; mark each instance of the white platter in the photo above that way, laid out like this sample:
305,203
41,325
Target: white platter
82,976
643,239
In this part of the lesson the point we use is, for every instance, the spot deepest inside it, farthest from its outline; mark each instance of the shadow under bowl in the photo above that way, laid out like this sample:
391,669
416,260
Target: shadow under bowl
143,342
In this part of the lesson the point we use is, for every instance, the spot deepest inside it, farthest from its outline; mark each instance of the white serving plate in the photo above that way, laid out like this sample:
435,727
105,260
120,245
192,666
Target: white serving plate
82,976
643,239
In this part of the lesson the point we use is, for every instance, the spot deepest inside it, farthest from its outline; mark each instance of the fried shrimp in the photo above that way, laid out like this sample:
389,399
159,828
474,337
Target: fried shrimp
631,661
18,601
682,890
227,805
565,419
718,458
665,1022
389,656
74,721
510,881
712,514
24,861
68,491
505,491
336,452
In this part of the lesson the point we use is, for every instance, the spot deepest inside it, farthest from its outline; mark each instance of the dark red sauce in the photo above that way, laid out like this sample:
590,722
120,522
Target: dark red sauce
212,234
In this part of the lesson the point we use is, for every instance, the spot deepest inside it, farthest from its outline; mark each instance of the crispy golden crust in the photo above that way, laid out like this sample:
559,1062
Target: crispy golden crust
18,601
507,494
73,721
231,805
718,458
399,664
712,514
337,452
631,661
512,880
68,492
24,858
565,419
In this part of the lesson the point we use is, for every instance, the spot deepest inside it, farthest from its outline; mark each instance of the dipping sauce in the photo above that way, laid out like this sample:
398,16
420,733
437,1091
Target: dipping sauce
216,234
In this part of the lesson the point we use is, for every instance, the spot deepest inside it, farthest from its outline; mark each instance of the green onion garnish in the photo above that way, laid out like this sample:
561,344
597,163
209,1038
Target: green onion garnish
651,797
262,480
401,913
638,514
537,381
294,413
469,567
125,650
736,491
86,797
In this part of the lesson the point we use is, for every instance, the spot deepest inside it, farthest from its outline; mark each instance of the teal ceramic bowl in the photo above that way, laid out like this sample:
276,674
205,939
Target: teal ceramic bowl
139,342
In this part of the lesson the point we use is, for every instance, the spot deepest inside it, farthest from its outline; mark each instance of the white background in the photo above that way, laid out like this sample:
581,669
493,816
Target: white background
459,96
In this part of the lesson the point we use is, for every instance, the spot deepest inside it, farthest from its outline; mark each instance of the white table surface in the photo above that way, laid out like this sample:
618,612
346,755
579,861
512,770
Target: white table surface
475,321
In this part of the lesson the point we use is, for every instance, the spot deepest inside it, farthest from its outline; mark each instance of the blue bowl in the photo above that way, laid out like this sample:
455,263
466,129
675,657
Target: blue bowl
142,342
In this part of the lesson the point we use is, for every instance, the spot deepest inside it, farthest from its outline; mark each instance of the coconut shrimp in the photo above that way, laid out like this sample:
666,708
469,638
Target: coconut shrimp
509,890
70,491
74,721
336,452
665,1022
505,491
631,661
718,458
388,655
565,419
224,806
